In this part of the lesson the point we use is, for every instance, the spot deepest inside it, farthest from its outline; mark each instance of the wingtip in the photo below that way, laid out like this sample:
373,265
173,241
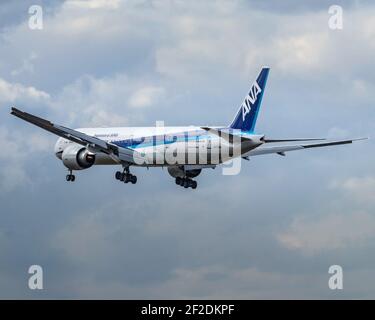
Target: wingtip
13,110
363,138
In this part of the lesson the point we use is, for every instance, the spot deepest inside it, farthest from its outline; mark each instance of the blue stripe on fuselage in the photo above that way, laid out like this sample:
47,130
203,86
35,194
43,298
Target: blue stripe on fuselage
144,142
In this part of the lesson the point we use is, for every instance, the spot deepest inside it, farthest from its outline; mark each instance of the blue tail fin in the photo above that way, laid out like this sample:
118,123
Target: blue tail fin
246,116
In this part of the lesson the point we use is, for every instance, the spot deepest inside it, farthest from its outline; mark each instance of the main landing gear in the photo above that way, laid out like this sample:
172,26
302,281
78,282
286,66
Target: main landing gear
126,176
70,177
186,183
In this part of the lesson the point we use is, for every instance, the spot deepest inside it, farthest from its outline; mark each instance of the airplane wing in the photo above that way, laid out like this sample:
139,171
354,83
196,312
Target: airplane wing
263,149
119,154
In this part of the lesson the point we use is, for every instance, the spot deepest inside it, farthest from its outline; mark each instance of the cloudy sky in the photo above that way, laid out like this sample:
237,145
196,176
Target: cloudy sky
270,232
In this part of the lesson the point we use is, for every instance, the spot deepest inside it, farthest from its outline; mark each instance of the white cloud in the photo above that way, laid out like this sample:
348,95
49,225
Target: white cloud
306,52
93,4
104,101
27,65
146,96
16,154
199,44
352,227
330,232
12,173
360,188
11,92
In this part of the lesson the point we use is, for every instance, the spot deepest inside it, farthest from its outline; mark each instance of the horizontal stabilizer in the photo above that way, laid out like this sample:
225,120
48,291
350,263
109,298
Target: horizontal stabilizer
282,149
289,140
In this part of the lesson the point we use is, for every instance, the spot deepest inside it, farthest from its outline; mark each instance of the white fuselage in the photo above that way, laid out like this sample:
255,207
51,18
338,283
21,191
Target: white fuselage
161,146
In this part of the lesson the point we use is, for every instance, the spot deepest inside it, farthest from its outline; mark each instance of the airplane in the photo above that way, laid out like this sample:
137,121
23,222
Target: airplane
185,151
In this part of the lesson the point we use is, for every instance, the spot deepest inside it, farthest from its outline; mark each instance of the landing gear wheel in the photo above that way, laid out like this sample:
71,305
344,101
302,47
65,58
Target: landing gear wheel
70,177
133,179
186,183
118,175
127,178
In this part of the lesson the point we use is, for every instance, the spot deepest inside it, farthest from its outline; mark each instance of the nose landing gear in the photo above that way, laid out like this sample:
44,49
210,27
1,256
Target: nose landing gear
126,176
186,183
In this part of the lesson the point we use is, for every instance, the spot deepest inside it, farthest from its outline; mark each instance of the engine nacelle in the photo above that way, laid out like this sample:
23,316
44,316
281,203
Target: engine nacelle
76,157
180,172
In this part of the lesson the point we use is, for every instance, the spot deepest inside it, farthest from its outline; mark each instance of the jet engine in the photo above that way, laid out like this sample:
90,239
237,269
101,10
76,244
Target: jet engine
181,172
76,157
